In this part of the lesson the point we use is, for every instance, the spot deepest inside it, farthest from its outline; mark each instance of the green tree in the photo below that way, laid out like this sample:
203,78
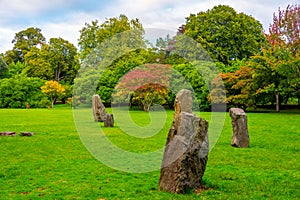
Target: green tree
15,69
226,34
19,91
3,68
108,51
38,63
57,60
276,68
23,42
54,90
94,34
63,59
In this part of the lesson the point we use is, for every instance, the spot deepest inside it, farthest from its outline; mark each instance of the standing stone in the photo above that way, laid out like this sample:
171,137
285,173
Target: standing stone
186,151
109,122
240,136
99,112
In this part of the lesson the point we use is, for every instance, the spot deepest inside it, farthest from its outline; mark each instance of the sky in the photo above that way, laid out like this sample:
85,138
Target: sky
65,18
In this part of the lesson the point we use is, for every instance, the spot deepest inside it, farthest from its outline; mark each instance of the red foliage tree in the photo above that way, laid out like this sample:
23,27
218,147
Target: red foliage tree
145,85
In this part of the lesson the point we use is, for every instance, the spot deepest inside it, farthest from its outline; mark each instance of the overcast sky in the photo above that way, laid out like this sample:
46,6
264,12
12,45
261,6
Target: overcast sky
64,18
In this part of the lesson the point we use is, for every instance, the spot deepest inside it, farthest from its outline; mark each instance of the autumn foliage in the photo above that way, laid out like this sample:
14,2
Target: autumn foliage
54,90
145,85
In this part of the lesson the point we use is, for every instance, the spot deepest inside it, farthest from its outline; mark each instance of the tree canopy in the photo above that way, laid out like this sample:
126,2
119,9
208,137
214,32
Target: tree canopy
225,34
23,42
94,33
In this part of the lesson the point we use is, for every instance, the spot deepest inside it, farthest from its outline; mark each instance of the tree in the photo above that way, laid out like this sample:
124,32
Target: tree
111,76
108,51
3,68
15,69
37,63
63,59
57,60
276,68
23,42
94,34
146,85
20,90
54,90
284,37
225,34
240,89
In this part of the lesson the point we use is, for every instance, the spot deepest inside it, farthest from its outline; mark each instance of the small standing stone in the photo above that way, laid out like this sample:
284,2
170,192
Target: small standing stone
186,151
99,112
240,136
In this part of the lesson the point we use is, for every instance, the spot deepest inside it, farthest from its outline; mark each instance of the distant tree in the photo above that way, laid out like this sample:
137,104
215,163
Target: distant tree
111,76
240,91
146,85
23,42
225,34
38,63
284,37
54,90
3,68
93,34
276,68
63,59
15,69
108,51
20,90
57,60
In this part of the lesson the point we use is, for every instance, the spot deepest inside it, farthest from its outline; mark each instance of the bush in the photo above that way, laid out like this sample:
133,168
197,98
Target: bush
45,103
19,91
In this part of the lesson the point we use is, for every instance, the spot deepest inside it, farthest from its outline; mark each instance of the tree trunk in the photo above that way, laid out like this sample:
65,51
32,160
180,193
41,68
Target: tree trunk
57,74
277,102
299,102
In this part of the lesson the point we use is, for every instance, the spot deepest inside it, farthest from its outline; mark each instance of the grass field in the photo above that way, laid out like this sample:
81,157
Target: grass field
54,163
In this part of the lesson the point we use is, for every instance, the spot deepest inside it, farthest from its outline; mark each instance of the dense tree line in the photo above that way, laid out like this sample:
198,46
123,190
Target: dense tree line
256,68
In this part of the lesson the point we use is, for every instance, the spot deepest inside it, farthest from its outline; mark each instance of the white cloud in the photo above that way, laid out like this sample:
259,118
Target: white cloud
67,29
28,6
6,37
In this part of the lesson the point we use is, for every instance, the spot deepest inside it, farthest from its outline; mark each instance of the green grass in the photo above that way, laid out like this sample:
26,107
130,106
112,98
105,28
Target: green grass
54,163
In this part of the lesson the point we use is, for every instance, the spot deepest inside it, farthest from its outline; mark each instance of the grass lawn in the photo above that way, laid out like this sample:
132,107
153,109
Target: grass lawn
54,163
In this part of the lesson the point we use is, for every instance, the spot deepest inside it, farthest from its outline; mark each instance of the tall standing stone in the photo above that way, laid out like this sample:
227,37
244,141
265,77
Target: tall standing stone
186,151
99,112
240,136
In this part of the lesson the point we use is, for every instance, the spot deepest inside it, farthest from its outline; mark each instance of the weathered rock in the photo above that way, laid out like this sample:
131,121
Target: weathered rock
8,133
99,112
240,136
28,134
186,151
109,122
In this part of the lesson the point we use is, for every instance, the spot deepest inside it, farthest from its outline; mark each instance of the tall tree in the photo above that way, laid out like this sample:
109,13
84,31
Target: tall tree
284,37
109,51
225,34
277,66
57,60
93,34
37,63
63,59
23,42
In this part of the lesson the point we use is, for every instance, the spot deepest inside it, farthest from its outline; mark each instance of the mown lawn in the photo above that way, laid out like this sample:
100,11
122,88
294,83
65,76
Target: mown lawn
54,163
